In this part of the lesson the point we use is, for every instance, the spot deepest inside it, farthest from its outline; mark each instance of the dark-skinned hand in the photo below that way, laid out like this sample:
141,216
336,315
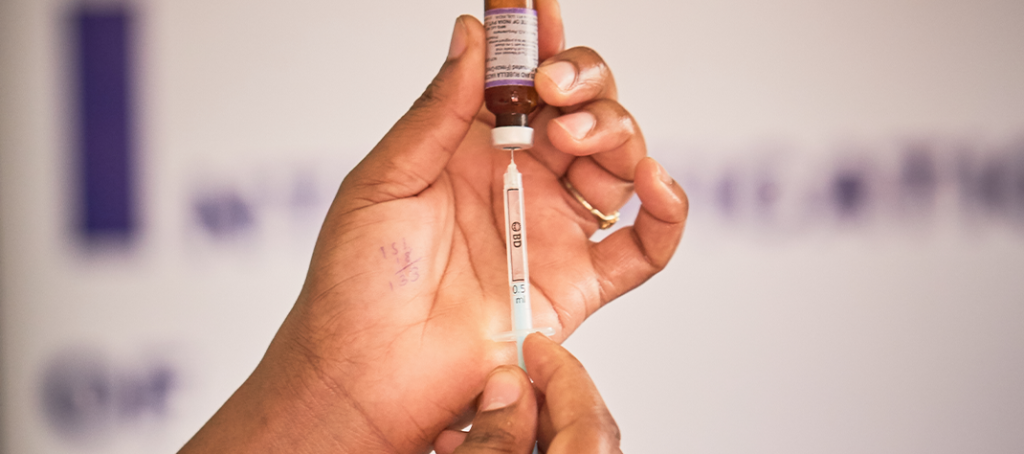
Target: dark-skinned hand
572,417
389,341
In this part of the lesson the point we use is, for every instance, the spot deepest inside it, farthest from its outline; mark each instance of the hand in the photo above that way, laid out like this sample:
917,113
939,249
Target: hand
388,343
573,417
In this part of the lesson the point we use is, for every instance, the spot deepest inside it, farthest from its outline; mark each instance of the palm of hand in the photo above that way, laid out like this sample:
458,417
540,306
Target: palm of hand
433,289
408,280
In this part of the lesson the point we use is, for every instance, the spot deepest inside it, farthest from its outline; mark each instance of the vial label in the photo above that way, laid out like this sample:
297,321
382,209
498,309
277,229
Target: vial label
512,55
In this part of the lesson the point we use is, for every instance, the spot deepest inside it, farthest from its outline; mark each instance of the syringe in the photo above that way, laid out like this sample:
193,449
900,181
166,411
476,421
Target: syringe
518,264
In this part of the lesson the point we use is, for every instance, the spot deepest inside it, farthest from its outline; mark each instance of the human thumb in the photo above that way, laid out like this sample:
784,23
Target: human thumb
506,418
417,148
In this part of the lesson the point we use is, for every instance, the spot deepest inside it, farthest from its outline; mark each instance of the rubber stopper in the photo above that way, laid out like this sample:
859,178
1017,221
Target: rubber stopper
506,137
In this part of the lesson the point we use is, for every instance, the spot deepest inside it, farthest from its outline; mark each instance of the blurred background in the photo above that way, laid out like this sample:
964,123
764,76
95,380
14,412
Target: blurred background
851,280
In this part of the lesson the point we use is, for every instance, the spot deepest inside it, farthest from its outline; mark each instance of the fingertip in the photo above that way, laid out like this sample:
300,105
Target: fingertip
544,356
467,34
458,42
602,129
506,418
551,28
414,152
474,28
555,82
535,348
578,125
659,193
505,386
535,341
448,441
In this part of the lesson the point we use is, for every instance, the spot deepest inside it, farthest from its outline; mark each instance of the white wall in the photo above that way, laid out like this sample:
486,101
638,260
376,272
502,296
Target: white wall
793,326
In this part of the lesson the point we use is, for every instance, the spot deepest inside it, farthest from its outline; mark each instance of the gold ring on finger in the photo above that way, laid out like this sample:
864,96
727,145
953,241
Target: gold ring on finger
604,221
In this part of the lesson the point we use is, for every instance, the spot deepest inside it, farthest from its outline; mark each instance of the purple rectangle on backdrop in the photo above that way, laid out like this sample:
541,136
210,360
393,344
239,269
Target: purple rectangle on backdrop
104,143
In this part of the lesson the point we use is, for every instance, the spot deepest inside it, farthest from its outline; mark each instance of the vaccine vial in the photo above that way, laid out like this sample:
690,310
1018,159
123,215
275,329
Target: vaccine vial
512,59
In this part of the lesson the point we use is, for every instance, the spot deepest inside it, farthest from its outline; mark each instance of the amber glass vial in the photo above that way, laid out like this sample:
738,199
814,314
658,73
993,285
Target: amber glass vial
512,59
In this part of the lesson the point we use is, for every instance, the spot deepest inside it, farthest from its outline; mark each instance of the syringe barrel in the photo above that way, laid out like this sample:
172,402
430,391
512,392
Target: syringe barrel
515,241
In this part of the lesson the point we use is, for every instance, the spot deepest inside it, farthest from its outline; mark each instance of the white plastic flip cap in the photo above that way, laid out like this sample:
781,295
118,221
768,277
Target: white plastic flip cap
506,137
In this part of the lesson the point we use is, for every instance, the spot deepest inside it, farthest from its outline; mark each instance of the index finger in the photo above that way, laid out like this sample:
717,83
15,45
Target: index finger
574,418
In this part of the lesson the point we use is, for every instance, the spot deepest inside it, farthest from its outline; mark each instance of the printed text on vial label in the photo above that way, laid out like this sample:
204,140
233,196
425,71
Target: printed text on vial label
511,49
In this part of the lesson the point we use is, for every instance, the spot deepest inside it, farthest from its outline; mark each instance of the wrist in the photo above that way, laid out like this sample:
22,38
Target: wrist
288,405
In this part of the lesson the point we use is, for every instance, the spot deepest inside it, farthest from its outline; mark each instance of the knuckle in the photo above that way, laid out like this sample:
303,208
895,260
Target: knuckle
436,101
589,61
627,123
685,210
602,421
611,429
586,53
600,433
614,114
430,96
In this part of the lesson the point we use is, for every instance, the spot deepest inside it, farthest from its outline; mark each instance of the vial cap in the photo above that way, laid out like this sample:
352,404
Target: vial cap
506,137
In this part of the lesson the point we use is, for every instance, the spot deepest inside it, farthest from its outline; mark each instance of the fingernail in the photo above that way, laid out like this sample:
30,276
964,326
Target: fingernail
578,124
561,73
502,389
458,44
